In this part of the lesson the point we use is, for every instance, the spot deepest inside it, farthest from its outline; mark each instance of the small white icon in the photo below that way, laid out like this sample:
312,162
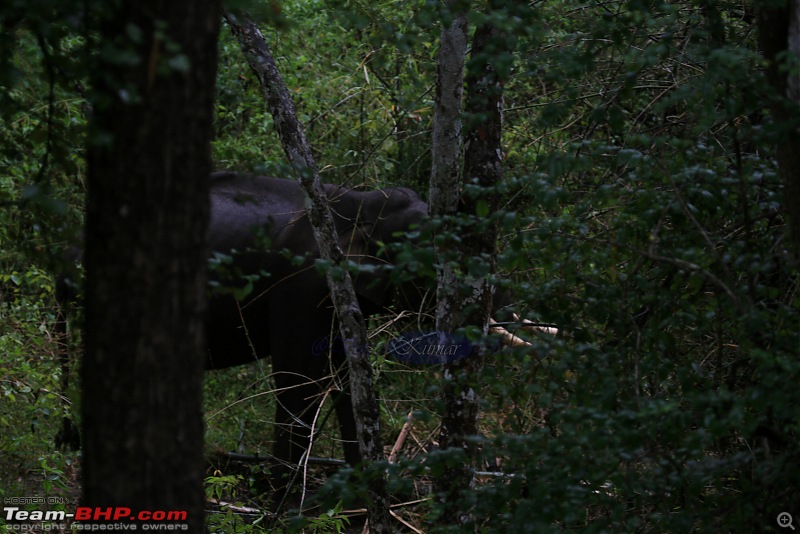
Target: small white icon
785,520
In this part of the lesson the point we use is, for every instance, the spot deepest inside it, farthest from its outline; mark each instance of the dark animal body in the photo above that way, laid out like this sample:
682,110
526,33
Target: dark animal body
288,315
258,229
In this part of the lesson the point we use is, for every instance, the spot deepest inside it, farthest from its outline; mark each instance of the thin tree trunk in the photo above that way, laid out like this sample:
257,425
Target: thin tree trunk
472,301
779,31
445,184
147,212
352,326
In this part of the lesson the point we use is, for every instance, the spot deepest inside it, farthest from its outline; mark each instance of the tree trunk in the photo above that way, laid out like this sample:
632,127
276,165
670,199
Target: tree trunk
445,184
147,212
472,300
779,32
351,321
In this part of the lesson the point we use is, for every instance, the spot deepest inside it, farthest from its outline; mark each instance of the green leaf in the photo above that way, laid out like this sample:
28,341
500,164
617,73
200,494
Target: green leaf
482,208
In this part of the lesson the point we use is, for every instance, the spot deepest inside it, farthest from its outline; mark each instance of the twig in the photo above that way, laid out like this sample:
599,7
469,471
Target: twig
389,323
401,438
404,522
307,454
258,458
237,508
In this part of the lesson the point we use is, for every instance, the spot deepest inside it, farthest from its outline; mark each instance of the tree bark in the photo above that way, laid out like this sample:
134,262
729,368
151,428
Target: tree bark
779,32
445,183
147,212
351,321
472,296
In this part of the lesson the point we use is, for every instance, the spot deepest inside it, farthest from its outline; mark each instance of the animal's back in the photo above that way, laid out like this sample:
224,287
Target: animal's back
241,203
254,219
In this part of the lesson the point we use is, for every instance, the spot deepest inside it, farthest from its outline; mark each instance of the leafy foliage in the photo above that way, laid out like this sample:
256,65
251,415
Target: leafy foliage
643,215
29,386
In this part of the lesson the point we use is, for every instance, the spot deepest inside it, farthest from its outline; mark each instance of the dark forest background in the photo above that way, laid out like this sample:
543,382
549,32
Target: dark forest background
644,210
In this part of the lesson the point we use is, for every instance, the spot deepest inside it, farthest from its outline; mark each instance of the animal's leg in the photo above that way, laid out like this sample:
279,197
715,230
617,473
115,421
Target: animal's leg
296,413
347,426
344,405
300,365
297,407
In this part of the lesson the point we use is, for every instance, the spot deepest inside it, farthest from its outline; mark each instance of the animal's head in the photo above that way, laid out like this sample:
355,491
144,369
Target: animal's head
382,233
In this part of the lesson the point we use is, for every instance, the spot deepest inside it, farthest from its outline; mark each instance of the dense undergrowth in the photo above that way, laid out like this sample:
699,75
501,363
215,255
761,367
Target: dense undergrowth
643,214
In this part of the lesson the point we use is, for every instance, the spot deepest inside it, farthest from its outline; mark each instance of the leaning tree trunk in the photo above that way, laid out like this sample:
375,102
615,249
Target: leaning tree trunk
779,33
147,211
472,297
352,326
